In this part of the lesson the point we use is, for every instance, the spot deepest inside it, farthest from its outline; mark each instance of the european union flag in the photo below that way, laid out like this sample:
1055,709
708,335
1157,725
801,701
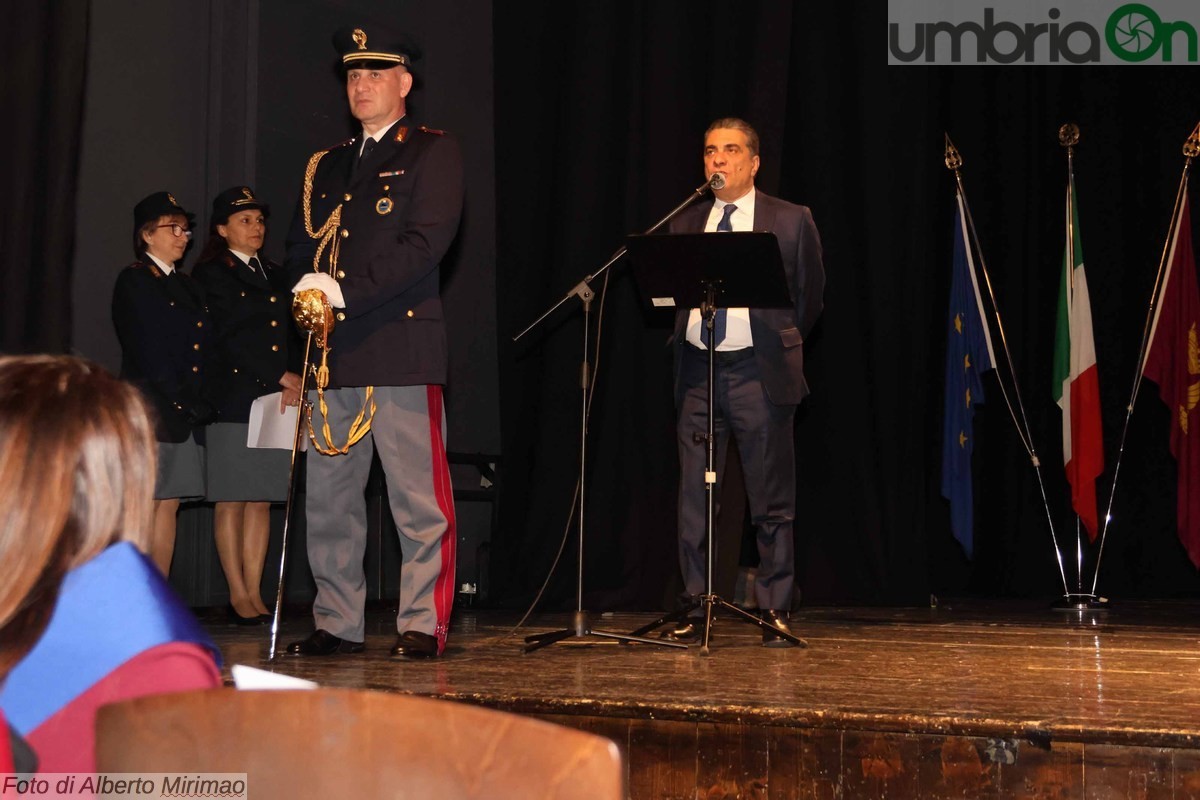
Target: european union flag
968,355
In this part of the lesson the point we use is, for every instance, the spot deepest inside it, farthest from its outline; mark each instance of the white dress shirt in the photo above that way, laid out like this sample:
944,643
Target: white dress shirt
737,320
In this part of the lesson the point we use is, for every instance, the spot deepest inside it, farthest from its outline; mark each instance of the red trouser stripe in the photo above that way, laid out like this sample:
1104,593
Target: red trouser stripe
443,593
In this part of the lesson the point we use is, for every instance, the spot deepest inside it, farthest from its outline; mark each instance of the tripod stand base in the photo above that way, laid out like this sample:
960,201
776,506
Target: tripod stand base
1080,602
582,626
710,602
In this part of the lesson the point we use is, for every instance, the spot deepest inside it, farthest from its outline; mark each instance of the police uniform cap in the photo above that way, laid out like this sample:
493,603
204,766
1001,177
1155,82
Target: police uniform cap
233,200
157,205
374,47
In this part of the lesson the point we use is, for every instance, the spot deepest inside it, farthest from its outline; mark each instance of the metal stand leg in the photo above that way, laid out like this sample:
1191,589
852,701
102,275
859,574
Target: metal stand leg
581,625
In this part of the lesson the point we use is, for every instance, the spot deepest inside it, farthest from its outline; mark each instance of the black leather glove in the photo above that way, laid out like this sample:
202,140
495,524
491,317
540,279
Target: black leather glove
197,412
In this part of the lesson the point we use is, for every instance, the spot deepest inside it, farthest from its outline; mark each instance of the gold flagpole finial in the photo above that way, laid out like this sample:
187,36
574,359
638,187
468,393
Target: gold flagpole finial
953,158
1191,148
1068,135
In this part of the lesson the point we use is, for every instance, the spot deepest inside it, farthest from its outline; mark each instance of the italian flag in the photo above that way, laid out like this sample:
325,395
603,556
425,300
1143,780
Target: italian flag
1076,384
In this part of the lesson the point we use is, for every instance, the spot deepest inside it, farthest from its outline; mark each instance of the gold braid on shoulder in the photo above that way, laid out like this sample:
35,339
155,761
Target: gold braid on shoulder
313,314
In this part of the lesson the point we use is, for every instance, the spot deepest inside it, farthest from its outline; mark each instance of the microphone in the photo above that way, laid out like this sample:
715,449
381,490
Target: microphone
714,182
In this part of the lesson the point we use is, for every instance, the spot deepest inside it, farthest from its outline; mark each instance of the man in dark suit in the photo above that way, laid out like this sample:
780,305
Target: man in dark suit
380,211
759,379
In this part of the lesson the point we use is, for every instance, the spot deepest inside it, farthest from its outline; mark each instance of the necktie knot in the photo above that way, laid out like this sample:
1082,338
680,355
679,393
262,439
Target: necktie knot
256,266
368,146
725,224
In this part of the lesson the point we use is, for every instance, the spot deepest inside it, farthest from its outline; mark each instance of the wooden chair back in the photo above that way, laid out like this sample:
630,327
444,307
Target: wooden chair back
357,743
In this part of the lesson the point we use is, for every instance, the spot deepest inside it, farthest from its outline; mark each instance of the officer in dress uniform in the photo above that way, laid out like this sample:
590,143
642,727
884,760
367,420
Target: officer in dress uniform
381,210
163,325
249,299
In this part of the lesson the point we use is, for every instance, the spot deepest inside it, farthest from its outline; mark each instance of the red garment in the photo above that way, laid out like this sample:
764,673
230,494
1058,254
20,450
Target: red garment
66,741
6,756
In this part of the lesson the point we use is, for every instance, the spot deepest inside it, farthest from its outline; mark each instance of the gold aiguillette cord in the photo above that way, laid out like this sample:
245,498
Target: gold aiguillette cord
312,313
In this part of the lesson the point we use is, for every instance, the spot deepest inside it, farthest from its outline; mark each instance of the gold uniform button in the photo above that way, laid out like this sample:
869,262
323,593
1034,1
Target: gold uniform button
274,323
410,313
345,233
243,294
171,303
274,348
195,369
272,298
341,317
196,346
341,274
235,370
346,197
199,324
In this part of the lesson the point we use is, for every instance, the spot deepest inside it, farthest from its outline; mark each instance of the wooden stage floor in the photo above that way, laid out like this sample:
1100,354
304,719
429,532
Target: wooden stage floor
969,699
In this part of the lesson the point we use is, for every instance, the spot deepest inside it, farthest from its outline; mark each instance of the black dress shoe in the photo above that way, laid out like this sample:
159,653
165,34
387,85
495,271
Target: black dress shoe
686,632
414,644
238,619
323,643
779,620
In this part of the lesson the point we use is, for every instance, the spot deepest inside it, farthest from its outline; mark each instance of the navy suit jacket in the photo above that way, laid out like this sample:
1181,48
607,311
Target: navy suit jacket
254,336
163,325
778,333
400,212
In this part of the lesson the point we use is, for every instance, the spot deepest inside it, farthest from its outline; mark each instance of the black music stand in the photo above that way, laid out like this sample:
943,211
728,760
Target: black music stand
710,271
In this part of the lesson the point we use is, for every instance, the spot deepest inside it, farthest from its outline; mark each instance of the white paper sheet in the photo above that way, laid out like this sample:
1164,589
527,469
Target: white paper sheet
269,428
245,677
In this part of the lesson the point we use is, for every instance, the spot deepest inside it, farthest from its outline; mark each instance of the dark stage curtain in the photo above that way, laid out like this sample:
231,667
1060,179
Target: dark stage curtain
44,66
600,114
600,110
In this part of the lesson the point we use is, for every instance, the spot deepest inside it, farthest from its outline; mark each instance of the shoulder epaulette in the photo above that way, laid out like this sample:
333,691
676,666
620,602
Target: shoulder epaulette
146,266
434,131
346,143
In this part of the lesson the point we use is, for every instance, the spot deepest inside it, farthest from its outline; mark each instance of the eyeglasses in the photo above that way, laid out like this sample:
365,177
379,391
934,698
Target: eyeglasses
176,229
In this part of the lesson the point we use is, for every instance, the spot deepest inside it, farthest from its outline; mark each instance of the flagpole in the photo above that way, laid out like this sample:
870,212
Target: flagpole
1191,149
954,162
1068,137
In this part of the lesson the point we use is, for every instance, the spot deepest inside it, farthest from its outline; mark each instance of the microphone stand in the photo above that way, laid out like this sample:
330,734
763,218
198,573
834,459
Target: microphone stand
584,291
581,625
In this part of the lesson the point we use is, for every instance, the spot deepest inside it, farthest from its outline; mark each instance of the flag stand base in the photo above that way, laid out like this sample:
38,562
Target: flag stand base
1080,602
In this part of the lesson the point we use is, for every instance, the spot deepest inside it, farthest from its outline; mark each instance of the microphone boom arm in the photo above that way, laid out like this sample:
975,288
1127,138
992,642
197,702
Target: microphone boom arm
583,289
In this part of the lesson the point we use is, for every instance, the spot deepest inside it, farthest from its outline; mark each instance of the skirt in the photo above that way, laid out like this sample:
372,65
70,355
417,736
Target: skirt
180,470
237,473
